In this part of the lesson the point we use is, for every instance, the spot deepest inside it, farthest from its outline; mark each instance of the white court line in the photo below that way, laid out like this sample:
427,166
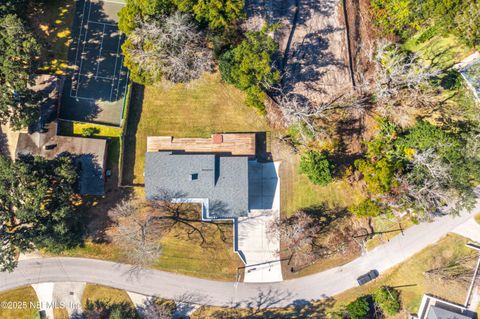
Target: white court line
78,44
119,80
83,48
98,77
100,52
110,1
109,24
115,69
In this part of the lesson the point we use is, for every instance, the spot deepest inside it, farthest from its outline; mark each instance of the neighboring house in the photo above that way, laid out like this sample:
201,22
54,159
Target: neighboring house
223,176
435,308
42,139
469,68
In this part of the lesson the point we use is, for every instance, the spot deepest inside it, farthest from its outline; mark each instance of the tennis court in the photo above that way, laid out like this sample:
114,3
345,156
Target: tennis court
95,89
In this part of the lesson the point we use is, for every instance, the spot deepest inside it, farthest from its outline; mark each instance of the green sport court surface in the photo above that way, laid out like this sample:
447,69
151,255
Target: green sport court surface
94,91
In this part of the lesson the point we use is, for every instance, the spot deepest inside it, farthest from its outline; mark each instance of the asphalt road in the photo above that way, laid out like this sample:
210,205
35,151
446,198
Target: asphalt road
184,288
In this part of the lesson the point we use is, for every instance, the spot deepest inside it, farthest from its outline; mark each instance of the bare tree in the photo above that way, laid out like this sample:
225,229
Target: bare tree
169,48
460,269
397,71
427,186
298,110
306,238
140,224
136,232
156,308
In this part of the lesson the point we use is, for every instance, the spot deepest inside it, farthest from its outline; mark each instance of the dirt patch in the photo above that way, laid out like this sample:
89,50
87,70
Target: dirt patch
313,47
362,39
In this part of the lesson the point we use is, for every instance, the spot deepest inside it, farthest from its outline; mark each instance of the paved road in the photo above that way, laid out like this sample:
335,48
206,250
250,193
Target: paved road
168,285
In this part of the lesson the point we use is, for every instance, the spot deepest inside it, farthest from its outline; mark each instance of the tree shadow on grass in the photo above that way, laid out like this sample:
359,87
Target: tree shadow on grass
267,304
130,148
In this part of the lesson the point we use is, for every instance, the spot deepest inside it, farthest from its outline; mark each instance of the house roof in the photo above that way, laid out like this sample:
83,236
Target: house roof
89,155
223,180
42,139
441,313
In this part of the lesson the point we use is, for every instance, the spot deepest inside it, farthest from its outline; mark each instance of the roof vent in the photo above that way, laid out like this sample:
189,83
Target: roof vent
193,176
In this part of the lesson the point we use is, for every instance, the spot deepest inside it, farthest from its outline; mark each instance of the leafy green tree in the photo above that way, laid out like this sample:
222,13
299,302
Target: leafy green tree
218,14
388,299
137,11
36,203
249,67
18,51
393,16
317,167
379,175
359,309
367,208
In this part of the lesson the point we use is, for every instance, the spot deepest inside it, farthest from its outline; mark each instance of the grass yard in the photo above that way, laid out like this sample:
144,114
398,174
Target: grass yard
444,51
207,106
216,260
409,276
51,21
391,228
477,218
60,313
25,294
195,110
103,293
298,192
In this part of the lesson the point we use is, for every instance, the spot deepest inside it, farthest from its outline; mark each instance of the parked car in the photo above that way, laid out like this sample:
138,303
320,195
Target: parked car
372,274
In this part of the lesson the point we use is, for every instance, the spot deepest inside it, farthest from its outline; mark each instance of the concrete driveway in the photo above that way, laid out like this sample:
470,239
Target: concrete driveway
260,251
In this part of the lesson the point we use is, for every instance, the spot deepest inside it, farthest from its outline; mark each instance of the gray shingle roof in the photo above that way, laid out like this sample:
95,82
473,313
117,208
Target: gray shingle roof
221,179
440,313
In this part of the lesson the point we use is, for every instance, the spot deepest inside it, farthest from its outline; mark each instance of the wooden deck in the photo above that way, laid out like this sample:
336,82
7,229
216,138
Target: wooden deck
234,144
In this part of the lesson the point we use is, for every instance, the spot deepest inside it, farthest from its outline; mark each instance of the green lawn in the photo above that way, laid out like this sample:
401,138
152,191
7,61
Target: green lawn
444,51
207,106
103,293
194,110
25,294
216,260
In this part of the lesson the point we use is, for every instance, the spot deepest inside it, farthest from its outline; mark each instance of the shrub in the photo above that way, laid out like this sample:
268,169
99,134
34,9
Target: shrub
90,131
388,299
367,208
379,175
359,309
249,67
317,167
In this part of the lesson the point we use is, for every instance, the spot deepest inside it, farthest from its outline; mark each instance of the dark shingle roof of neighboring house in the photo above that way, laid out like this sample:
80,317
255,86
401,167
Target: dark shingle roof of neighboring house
221,179
88,153
41,139
440,313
